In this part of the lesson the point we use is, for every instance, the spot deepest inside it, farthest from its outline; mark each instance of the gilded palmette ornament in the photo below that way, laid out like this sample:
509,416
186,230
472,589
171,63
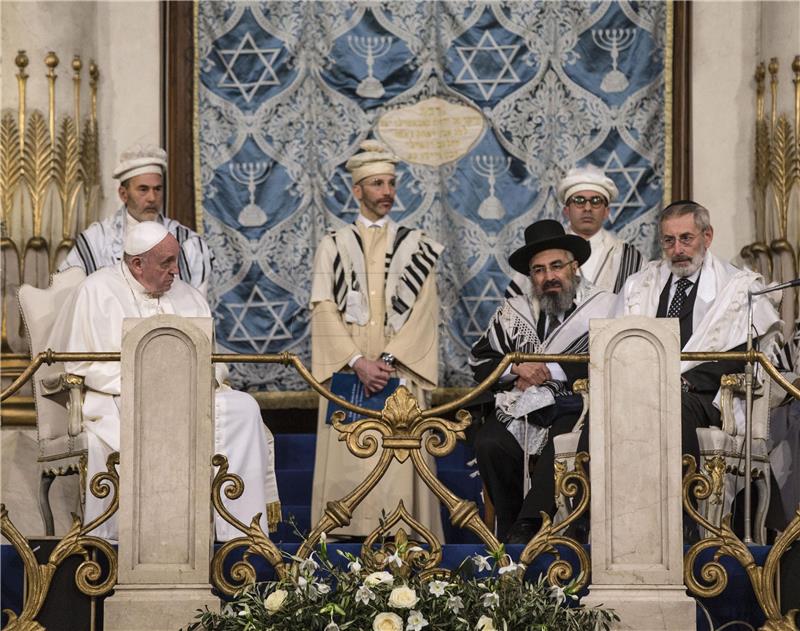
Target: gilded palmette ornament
68,172
781,171
10,166
37,160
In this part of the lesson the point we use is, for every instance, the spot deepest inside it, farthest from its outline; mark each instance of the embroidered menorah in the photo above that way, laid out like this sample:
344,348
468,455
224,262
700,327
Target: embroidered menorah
491,167
370,48
250,174
614,40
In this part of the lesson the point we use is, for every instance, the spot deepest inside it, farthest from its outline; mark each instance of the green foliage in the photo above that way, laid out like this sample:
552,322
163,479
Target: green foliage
481,595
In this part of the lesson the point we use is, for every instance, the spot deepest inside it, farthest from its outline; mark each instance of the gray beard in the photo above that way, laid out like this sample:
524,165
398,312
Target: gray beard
685,272
556,304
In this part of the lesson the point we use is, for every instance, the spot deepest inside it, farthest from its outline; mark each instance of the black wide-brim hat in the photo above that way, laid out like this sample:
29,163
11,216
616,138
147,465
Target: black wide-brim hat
548,234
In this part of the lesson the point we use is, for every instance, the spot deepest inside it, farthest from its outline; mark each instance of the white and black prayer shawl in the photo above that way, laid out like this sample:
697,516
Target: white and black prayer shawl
630,263
410,258
102,244
513,329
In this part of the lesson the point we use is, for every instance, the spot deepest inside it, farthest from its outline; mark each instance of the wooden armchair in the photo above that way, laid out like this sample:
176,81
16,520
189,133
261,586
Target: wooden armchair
57,395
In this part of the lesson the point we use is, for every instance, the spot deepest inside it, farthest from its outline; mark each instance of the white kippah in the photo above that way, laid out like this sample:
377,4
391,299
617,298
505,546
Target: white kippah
374,159
587,178
140,159
143,237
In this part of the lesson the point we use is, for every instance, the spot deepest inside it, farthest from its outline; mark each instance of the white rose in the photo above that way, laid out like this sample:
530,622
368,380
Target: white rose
387,622
274,601
485,624
376,578
403,597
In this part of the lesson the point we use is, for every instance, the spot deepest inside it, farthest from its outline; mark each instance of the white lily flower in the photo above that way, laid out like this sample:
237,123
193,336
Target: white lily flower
455,604
437,587
481,563
354,566
364,594
415,621
490,600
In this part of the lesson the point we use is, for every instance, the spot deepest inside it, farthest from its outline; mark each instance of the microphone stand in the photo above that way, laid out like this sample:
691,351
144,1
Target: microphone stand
748,407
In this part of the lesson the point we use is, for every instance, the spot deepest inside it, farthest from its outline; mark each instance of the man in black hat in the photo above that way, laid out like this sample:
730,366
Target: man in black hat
534,401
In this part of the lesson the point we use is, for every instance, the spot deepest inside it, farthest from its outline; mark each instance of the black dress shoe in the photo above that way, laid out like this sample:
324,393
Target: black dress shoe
522,531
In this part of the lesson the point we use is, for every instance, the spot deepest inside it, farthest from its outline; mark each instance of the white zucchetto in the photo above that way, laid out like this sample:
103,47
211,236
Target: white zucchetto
140,159
374,159
587,178
144,237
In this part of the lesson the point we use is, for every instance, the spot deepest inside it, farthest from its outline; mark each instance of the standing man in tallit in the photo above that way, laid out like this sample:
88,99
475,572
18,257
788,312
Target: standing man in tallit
375,312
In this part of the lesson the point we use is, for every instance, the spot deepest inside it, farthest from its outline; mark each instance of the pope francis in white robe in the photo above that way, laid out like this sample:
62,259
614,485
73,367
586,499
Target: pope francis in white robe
92,322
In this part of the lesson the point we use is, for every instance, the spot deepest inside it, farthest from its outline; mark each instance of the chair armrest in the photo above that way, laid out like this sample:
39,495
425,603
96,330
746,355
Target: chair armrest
63,382
731,386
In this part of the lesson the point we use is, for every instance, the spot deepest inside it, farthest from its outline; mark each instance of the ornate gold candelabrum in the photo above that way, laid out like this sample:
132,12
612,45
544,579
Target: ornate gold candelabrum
49,192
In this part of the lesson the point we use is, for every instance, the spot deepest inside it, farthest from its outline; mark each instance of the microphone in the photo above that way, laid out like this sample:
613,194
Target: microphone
786,285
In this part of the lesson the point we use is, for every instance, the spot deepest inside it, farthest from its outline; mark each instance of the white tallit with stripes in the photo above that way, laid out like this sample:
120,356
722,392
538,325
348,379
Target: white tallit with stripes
410,258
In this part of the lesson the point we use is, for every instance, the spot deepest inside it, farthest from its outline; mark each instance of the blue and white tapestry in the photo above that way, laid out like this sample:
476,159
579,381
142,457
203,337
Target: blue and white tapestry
286,91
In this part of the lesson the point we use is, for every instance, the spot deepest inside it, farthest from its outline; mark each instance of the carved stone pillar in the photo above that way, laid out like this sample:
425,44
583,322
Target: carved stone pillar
166,444
635,446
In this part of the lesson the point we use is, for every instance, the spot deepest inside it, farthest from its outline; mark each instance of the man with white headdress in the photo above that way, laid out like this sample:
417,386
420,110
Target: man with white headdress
144,284
375,312
141,172
586,193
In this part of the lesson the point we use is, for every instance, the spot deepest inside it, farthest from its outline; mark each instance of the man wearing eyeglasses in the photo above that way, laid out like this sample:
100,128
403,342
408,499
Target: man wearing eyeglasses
709,298
534,401
586,193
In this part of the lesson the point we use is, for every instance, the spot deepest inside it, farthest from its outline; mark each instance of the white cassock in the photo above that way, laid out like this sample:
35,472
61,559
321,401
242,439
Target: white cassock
92,322
102,244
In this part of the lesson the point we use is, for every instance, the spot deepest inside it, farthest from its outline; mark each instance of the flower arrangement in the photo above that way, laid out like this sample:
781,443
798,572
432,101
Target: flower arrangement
486,593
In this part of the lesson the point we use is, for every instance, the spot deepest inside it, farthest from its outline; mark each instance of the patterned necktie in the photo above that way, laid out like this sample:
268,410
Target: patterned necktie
681,287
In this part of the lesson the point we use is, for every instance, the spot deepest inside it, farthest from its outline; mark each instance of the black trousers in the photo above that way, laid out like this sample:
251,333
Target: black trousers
500,462
500,459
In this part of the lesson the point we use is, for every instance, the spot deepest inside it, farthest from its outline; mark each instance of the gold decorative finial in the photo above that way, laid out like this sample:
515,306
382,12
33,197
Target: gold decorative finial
94,71
51,61
796,66
77,64
761,72
22,61
773,68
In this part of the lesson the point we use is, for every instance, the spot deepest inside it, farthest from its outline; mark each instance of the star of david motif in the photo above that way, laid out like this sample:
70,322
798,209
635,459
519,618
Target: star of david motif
247,48
629,198
275,311
351,205
493,54
490,293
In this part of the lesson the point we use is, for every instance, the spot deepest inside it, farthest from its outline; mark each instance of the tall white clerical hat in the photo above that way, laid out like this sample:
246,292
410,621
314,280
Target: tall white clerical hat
143,237
140,159
587,178
375,159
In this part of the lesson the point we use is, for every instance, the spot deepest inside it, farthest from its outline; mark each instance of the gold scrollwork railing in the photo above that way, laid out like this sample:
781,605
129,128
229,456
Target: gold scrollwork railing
713,576
76,542
403,430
